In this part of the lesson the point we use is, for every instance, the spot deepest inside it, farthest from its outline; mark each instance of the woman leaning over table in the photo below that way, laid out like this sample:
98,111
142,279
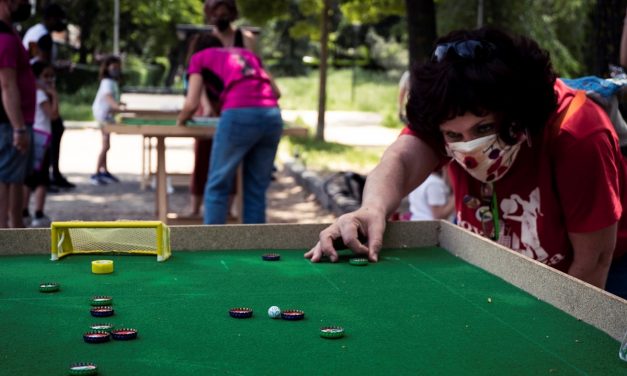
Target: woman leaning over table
537,167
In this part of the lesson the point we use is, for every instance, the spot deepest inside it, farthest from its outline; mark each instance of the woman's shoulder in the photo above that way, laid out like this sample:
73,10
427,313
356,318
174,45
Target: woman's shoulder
588,119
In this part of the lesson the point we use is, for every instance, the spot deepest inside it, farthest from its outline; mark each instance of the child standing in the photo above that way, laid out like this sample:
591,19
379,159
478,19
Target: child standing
107,100
47,109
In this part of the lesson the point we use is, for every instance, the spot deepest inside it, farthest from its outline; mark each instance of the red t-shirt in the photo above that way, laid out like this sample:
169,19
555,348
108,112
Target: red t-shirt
574,183
234,76
13,55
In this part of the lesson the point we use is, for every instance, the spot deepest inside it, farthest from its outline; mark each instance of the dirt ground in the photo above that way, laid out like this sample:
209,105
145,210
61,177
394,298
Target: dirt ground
287,201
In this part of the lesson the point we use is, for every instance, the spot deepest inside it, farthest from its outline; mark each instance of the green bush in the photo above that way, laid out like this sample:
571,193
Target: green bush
134,71
77,105
387,54
72,80
156,72
346,91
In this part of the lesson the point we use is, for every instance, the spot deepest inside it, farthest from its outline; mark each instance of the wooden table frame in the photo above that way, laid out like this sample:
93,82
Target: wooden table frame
160,133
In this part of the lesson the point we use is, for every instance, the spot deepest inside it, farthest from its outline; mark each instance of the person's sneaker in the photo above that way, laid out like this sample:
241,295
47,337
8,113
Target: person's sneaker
27,220
62,182
109,177
97,179
41,222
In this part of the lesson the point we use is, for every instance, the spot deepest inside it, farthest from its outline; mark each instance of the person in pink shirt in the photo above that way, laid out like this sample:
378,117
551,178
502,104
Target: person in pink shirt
220,14
536,166
17,112
249,129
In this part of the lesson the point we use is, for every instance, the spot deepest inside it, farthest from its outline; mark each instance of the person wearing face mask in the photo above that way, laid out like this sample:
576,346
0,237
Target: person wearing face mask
17,112
535,165
221,14
249,130
107,100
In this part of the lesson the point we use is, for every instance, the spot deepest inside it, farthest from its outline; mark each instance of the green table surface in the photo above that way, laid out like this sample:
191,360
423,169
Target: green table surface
197,122
417,311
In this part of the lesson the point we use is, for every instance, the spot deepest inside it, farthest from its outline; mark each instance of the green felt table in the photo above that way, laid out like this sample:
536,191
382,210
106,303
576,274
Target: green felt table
418,311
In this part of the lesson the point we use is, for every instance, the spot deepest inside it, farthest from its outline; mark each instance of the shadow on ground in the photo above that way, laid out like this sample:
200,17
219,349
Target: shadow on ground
287,201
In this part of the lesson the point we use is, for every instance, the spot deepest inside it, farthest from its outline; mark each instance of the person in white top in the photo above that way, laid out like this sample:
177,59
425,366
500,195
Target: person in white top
47,109
106,102
53,19
433,199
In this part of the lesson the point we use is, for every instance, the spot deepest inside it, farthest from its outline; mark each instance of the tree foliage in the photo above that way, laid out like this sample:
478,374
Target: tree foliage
560,26
359,11
291,28
147,27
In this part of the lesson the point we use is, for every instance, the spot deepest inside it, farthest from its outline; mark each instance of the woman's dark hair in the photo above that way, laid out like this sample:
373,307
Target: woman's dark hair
204,41
200,42
104,66
508,76
39,67
210,5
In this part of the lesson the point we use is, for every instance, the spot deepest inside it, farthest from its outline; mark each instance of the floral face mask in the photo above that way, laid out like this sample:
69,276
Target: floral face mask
487,158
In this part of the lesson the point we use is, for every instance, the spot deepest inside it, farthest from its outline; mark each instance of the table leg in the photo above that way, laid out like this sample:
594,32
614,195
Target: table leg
162,195
144,176
150,173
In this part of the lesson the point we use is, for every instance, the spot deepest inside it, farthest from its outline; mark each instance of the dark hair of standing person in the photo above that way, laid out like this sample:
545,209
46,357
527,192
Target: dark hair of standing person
39,66
104,67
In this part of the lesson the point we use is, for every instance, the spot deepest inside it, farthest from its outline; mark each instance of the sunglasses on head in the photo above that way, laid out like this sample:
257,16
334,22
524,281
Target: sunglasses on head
465,49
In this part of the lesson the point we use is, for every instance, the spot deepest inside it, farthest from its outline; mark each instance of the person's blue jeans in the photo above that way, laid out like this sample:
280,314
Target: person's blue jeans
250,136
15,166
617,278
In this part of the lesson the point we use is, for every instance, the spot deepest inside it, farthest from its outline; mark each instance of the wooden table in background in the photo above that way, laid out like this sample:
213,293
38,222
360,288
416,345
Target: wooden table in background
162,128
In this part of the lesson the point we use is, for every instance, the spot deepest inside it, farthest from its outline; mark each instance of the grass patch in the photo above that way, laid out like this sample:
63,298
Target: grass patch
371,92
330,156
76,112
77,106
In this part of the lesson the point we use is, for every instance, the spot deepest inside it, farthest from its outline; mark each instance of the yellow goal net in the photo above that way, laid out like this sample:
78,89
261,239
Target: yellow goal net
136,237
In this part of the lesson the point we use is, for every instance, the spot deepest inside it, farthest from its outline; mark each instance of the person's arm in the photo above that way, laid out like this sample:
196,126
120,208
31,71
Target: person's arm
115,105
250,41
192,99
51,106
404,165
592,255
11,103
592,210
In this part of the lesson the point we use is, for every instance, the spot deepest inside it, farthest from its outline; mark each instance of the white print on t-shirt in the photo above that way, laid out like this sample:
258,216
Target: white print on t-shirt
528,223
527,242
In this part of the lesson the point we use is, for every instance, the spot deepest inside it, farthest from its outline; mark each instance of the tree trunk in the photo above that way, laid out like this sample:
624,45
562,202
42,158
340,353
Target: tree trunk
608,26
324,51
480,7
421,29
